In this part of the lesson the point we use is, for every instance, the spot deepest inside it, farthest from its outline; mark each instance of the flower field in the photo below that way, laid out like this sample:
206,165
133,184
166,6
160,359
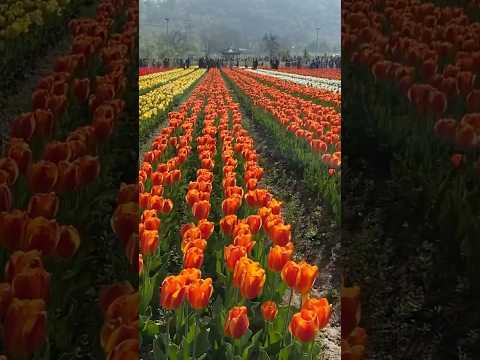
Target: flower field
57,166
311,81
411,75
331,74
220,276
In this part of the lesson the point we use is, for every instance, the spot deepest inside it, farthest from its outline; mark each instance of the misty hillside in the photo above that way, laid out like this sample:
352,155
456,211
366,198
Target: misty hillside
242,23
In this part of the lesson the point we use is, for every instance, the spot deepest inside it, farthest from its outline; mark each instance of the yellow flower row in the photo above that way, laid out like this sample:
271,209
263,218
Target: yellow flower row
18,17
157,100
156,79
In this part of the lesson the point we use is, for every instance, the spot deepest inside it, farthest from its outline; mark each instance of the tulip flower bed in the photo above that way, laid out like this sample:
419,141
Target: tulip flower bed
52,175
426,78
149,82
332,74
159,100
151,70
26,27
413,102
310,81
307,134
323,94
216,253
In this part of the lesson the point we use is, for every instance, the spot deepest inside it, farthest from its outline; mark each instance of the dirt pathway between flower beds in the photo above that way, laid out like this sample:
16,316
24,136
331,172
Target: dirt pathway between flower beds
18,100
317,237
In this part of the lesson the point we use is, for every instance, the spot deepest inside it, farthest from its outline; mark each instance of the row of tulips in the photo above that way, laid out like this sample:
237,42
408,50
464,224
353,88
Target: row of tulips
320,83
57,166
333,74
156,79
306,134
230,265
291,87
318,125
155,104
147,70
414,66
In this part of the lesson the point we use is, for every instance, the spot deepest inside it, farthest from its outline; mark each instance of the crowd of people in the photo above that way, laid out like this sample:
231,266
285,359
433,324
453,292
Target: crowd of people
206,62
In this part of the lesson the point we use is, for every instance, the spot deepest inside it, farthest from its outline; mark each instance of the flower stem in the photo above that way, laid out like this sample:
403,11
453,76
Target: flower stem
288,316
195,336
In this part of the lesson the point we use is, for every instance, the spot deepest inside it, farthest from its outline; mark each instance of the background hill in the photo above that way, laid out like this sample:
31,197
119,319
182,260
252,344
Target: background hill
198,25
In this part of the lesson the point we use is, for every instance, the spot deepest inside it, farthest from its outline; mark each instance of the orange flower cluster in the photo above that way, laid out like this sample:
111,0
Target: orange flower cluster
431,53
120,331
294,88
354,338
23,303
333,74
320,126
158,170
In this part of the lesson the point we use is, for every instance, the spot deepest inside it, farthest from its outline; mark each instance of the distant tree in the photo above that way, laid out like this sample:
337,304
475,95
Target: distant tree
270,44
306,55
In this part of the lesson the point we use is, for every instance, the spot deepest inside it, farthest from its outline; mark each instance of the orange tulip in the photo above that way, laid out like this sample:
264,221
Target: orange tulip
228,223
57,151
193,258
125,220
189,275
201,209
10,170
245,241
45,205
6,296
236,324
281,234
206,227
240,270
199,293
304,325
172,292
275,206
322,308
119,335
152,223
68,242
42,234
278,256
252,282
88,169
127,350
299,276
43,176
351,309
232,254
31,284
269,310
149,242
254,222
20,152
23,127
127,193
26,321
231,205
109,294
67,176
123,310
